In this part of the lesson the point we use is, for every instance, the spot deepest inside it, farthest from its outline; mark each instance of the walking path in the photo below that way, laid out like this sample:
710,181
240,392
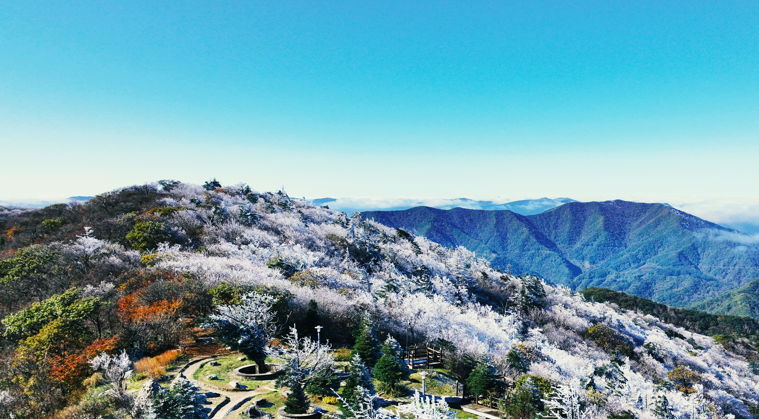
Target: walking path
235,397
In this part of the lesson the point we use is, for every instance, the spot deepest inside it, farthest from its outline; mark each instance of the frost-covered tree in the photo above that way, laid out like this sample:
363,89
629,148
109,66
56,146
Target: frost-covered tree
310,363
359,381
566,403
532,293
422,407
246,327
662,408
114,368
181,401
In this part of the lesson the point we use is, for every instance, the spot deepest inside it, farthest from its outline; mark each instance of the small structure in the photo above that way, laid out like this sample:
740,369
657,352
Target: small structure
311,415
481,411
423,357
250,372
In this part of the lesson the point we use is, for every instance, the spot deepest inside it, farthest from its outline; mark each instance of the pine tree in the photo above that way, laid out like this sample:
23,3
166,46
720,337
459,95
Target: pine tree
367,345
358,378
310,320
662,409
322,381
181,401
388,374
297,403
481,380
532,294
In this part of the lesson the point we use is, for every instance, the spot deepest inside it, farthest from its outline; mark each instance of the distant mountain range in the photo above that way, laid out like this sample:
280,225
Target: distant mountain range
43,204
649,250
524,207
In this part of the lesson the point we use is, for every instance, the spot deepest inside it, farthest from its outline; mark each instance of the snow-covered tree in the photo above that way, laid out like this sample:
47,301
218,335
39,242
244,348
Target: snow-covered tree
180,401
359,381
309,363
114,368
246,327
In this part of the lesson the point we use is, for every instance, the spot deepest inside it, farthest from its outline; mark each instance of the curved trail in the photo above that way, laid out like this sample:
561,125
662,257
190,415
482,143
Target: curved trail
235,397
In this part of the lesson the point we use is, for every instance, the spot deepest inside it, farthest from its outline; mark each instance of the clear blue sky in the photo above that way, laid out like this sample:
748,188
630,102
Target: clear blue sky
647,100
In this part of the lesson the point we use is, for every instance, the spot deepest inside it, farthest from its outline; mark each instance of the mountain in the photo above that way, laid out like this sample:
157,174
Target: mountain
524,207
743,301
140,271
42,204
649,250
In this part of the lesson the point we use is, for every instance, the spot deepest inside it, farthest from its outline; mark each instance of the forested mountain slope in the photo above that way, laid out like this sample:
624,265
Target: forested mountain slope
136,269
650,250
743,301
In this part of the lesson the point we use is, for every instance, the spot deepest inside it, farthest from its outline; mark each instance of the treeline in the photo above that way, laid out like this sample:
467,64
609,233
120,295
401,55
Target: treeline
692,320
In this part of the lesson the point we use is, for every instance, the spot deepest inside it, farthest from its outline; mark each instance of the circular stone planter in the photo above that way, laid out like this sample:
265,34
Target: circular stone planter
250,372
284,415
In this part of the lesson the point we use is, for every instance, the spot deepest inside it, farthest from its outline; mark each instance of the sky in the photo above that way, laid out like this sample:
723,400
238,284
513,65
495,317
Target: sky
653,101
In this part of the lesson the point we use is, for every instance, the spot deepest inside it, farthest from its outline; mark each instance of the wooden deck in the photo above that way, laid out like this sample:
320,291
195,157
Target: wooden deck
481,411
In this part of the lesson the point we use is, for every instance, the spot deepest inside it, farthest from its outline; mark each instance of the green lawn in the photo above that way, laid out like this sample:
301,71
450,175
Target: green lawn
224,372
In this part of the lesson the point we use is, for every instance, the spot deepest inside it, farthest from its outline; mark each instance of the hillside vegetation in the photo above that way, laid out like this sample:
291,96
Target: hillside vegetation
136,271
649,250
743,301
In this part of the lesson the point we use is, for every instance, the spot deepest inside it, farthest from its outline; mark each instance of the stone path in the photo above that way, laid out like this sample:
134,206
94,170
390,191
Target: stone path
235,397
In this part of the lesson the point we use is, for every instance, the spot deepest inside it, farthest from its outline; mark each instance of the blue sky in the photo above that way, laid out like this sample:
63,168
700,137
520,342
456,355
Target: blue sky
645,100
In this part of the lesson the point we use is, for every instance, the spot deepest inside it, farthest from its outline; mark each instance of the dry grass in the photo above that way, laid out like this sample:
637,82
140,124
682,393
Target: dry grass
156,366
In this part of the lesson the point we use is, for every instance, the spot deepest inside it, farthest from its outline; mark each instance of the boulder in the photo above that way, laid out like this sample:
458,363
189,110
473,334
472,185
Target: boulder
242,358
251,412
212,377
214,363
260,402
235,384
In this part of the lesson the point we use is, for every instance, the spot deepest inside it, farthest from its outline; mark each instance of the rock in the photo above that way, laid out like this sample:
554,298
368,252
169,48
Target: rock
212,377
214,363
252,412
129,374
235,384
260,402
109,393
242,358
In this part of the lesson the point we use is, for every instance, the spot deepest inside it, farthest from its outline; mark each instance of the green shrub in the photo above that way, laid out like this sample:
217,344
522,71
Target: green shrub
610,340
146,235
52,225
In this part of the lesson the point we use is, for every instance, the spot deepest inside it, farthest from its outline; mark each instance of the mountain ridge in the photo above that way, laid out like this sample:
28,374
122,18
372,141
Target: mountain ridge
649,250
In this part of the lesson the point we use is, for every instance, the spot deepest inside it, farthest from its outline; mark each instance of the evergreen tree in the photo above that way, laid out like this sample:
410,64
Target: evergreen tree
524,402
211,185
390,369
367,345
532,294
310,320
516,362
388,374
322,380
481,380
662,409
297,403
181,401
359,381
